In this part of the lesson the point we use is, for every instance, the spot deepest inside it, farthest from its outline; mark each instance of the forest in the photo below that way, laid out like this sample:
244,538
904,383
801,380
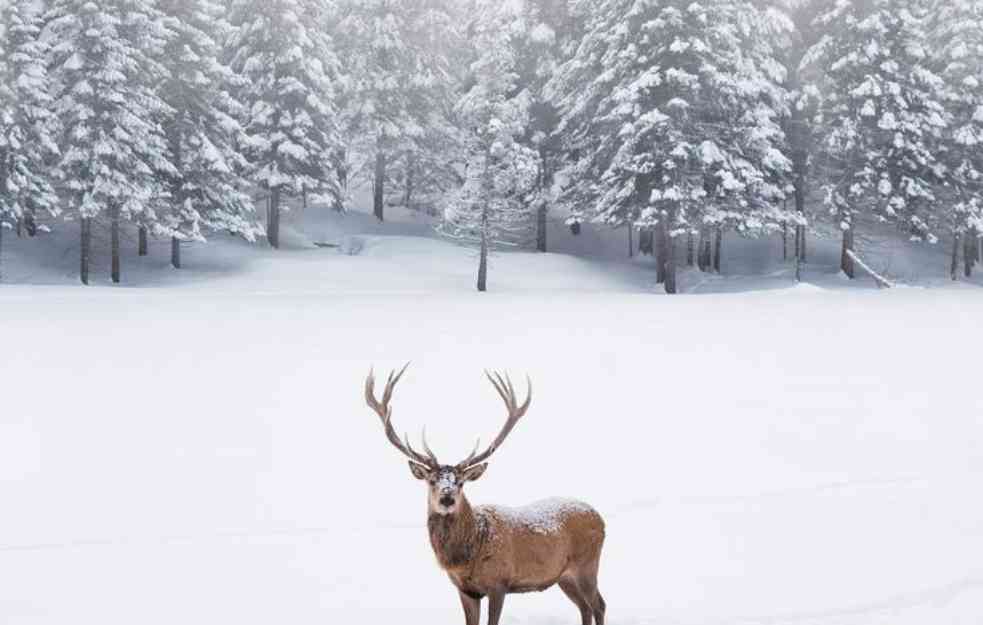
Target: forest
675,119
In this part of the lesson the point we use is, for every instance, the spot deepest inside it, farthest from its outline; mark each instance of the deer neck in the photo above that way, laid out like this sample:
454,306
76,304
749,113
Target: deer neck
456,537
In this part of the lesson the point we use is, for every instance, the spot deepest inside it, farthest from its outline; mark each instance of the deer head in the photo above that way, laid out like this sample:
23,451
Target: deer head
446,482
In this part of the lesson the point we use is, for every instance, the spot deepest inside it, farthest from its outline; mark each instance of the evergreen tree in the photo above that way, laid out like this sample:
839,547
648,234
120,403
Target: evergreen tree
493,205
288,73
206,190
105,65
396,59
672,113
27,144
884,118
957,45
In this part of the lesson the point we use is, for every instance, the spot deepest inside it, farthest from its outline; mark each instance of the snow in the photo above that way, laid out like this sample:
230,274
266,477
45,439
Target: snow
193,447
542,517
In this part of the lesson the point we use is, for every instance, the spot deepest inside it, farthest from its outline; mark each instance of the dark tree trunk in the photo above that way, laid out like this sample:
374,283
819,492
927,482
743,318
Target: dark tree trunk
846,261
969,245
690,249
114,238
378,187
670,265
954,265
541,227
20,227
273,219
142,242
30,224
660,251
718,244
785,240
483,254
175,252
410,162
631,244
84,245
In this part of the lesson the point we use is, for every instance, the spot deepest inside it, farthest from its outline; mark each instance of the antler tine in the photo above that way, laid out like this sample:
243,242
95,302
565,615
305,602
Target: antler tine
426,448
507,392
385,411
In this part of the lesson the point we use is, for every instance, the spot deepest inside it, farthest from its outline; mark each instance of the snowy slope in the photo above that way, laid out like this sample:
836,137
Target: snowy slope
196,451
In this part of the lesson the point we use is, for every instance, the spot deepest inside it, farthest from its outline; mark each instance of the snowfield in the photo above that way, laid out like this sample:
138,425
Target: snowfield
195,449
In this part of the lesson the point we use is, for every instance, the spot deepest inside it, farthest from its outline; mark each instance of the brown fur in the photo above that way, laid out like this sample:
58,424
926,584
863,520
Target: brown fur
486,553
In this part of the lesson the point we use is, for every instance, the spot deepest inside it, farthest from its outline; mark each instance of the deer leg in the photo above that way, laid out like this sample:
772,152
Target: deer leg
588,586
571,590
496,600
472,609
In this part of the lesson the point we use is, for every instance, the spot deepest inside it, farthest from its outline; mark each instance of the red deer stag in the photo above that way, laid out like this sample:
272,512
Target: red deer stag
492,551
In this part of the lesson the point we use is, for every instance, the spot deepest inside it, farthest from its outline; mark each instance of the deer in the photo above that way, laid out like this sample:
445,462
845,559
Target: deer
492,551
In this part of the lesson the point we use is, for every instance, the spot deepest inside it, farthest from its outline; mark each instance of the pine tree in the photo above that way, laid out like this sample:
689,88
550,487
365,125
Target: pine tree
671,110
957,44
396,59
884,118
492,206
288,74
105,66
206,190
27,144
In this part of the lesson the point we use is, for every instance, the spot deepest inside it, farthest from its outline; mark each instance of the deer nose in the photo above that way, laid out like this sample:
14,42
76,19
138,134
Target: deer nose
447,501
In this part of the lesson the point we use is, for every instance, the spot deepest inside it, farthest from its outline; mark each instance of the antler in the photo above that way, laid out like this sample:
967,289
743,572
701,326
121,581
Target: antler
385,412
507,393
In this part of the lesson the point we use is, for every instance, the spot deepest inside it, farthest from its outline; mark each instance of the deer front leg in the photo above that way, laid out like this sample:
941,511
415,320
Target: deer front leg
472,609
496,600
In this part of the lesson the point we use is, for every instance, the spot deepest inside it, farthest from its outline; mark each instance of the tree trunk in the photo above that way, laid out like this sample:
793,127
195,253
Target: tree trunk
785,240
541,227
954,265
86,240
660,251
483,258
142,244
114,236
670,265
20,226
379,184
409,180
716,249
846,262
690,250
631,244
969,246
175,252
273,220
30,224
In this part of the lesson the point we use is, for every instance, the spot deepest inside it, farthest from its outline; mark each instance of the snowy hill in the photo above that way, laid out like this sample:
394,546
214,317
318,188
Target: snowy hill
197,451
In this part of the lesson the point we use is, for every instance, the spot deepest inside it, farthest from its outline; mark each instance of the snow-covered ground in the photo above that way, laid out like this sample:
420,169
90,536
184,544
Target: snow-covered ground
194,449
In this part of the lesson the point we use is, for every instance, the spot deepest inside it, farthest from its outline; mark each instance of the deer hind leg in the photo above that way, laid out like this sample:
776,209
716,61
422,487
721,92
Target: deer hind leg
573,591
588,585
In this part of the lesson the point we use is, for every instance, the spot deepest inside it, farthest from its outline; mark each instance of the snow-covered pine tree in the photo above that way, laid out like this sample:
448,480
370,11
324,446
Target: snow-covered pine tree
884,117
27,126
105,69
493,206
672,121
204,134
400,90
956,32
288,70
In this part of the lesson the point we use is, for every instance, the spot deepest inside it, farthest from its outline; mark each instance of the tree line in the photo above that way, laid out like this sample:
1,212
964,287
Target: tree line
679,120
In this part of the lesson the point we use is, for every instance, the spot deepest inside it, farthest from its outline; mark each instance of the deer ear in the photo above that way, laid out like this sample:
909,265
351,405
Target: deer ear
420,472
473,473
